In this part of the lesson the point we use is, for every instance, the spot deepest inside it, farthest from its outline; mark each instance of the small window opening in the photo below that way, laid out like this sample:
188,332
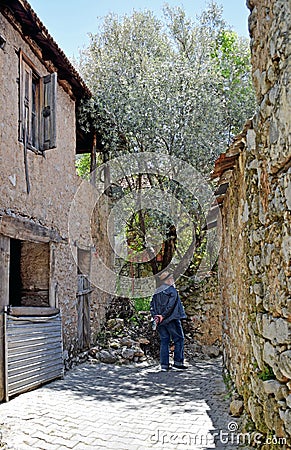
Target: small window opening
84,262
29,273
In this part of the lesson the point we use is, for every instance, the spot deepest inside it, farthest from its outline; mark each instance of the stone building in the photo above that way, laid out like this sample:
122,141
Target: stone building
45,296
254,266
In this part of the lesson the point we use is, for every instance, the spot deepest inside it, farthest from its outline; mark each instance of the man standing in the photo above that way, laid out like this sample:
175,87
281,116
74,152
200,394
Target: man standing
167,310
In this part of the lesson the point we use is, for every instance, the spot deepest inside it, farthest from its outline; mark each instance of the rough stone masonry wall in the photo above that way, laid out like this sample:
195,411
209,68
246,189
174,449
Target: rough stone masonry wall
202,304
255,258
53,182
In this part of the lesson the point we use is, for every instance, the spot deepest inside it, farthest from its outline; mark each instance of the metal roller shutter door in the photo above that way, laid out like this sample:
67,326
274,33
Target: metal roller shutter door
34,352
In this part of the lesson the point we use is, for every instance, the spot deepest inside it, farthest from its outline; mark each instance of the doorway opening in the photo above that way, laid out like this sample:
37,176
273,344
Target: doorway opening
29,273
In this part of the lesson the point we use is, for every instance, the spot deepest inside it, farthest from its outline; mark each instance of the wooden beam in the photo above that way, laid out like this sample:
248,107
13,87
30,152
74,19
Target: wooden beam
25,311
4,270
4,301
27,230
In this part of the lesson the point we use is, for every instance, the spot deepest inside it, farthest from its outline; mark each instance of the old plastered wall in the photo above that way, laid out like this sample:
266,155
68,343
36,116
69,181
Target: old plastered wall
93,222
254,265
53,181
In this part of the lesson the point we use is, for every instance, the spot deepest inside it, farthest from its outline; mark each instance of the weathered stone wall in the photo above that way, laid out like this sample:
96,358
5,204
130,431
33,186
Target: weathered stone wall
53,181
254,264
202,303
93,222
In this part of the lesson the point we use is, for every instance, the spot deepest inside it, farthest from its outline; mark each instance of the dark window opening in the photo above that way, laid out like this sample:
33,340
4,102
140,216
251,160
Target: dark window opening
15,285
29,274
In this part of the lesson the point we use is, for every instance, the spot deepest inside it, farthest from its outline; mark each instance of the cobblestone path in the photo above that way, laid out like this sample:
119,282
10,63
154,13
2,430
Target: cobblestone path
100,406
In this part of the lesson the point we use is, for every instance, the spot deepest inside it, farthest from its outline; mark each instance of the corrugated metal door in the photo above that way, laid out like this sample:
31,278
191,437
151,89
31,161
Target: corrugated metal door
33,352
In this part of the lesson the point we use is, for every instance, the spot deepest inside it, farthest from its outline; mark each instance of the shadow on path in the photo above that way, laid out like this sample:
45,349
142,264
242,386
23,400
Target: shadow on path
99,406
199,391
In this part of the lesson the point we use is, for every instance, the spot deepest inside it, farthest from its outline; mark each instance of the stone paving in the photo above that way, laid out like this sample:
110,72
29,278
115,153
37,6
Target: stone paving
98,406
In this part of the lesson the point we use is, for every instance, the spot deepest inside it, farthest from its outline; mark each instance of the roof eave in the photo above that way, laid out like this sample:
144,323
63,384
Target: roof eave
32,26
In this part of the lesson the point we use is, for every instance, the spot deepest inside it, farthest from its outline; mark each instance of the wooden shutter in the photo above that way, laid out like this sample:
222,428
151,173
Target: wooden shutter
48,112
83,305
25,94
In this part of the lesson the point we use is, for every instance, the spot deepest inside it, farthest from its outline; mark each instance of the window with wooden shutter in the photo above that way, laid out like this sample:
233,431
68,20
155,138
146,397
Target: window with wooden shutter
37,107
48,113
26,102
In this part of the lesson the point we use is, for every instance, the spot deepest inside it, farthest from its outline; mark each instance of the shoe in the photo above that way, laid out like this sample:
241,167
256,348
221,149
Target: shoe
166,369
180,367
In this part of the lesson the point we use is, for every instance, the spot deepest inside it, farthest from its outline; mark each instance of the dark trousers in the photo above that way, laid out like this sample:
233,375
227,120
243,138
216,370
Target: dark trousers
172,330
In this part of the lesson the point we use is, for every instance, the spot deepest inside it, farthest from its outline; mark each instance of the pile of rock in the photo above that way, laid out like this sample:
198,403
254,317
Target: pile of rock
123,343
121,351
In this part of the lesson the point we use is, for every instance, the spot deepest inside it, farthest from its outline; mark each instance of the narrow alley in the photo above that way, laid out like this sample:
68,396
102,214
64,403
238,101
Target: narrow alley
131,407
166,149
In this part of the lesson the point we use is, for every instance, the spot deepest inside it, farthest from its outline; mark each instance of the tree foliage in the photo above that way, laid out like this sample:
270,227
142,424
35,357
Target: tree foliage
177,86
83,165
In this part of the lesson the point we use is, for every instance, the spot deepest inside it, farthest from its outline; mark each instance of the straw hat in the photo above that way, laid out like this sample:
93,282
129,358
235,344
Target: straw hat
165,275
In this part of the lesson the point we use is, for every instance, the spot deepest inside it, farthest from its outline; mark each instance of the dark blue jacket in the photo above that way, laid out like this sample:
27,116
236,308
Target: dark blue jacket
167,303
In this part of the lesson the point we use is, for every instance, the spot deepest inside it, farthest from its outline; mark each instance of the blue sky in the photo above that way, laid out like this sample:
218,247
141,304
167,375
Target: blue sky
70,21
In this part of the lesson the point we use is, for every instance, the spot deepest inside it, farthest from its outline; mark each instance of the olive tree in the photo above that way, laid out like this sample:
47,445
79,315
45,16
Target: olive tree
177,86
